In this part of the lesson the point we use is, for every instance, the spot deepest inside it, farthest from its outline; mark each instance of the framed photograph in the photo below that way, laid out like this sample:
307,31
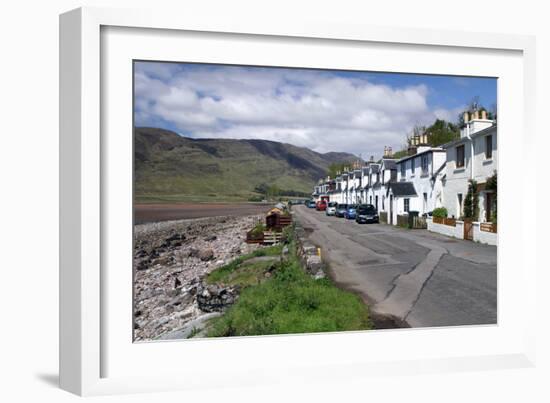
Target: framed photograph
257,193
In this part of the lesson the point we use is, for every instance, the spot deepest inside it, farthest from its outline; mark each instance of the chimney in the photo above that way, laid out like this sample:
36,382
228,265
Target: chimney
476,114
390,152
466,117
372,158
484,114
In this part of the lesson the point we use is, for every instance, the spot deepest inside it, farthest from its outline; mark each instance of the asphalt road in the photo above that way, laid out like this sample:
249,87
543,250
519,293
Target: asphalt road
415,276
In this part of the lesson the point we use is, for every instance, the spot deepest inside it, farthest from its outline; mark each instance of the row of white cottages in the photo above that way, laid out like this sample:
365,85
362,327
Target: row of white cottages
428,178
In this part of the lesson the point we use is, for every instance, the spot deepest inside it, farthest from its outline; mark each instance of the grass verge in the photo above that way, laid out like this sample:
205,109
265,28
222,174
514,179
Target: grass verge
289,301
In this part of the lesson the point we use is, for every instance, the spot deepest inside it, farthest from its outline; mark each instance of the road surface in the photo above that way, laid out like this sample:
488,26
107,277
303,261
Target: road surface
415,276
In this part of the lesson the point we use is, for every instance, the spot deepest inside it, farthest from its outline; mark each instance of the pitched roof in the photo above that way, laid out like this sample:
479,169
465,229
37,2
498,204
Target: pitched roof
400,189
389,164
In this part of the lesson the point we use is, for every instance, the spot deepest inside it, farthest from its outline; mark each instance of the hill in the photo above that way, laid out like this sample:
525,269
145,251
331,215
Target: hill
169,167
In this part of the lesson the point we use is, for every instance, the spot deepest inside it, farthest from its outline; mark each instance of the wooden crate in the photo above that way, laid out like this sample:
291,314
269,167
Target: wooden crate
271,237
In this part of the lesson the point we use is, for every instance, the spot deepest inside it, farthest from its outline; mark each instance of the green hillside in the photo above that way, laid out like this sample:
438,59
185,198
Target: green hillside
169,167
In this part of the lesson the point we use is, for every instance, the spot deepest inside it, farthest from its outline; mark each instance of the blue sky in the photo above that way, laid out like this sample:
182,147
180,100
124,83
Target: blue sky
324,110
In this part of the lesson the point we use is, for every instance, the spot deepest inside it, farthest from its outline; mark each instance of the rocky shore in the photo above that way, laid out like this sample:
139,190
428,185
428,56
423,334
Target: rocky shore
170,260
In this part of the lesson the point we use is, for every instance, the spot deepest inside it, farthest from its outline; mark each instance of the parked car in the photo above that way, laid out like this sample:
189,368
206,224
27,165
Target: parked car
341,209
351,212
321,205
331,208
366,213
310,203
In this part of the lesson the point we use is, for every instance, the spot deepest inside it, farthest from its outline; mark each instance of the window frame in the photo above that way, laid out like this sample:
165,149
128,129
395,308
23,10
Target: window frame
489,150
460,162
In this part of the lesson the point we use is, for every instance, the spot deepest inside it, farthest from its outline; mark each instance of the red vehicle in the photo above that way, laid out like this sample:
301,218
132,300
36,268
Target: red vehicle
321,205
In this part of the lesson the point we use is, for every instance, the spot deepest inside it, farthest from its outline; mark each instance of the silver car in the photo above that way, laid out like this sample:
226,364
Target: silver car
331,208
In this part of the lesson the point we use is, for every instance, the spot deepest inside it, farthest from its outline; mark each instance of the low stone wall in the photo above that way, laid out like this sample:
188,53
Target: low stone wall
489,238
308,253
456,231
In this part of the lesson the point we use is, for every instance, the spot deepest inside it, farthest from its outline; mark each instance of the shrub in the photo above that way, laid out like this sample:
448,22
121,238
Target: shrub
440,212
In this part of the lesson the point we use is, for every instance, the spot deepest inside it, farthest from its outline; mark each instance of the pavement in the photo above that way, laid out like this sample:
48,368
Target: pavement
416,277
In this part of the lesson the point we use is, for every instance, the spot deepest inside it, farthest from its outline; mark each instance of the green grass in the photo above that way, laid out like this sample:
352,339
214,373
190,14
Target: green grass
230,273
291,301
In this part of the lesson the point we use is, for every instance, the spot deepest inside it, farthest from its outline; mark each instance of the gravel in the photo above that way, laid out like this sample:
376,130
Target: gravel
170,260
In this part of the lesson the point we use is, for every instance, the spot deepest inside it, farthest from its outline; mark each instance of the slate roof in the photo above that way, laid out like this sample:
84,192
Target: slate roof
389,164
376,185
374,168
400,189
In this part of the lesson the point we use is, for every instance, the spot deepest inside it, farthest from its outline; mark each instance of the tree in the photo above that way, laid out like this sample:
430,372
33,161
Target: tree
336,167
492,185
441,132
471,202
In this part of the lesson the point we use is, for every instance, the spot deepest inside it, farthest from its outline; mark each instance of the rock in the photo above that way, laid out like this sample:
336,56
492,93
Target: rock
143,265
309,249
320,274
193,252
210,238
164,261
206,255
213,298
313,263
182,299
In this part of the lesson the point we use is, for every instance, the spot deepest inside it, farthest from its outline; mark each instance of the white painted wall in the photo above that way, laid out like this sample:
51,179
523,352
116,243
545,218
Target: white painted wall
421,180
450,231
489,238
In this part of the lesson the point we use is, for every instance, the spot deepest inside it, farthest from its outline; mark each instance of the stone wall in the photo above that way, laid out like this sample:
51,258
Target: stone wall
308,253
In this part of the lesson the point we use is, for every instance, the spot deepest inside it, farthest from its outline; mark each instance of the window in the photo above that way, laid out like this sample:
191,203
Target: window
406,205
376,201
425,196
460,156
424,162
383,200
413,167
403,170
488,147
459,199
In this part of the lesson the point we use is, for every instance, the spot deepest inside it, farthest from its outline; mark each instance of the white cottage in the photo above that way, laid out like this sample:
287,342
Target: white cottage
424,170
473,156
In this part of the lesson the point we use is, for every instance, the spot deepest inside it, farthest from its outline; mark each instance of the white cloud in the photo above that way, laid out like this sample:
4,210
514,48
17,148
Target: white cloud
315,109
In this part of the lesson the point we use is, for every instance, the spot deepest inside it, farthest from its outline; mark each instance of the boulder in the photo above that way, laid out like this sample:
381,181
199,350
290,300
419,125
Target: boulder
206,255
214,298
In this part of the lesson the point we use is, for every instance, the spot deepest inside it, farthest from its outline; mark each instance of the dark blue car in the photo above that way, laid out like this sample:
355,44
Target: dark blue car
366,213
310,203
351,212
341,209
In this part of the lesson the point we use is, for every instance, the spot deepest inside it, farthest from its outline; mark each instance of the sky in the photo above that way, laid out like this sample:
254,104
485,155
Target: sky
324,110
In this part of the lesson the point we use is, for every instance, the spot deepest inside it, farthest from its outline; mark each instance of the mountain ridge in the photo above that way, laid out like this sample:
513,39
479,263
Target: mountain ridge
171,167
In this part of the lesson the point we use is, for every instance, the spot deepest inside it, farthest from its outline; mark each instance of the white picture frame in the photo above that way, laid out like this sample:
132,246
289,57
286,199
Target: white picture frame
88,339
